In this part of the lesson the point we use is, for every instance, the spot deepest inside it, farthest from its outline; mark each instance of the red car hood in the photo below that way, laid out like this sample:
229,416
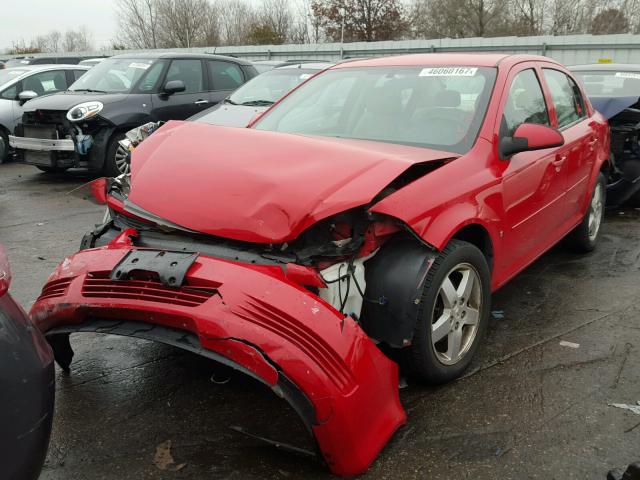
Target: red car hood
260,186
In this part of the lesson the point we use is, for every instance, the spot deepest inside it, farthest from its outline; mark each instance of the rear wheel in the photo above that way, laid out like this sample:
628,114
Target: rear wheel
585,236
454,311
117,160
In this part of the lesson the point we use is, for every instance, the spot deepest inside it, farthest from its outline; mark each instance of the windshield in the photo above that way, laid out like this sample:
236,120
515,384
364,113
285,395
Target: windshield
435,107
267,88
114,75
9,74
610,83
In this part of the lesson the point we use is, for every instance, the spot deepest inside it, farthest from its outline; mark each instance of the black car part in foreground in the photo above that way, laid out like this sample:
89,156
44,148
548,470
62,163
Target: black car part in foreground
27,389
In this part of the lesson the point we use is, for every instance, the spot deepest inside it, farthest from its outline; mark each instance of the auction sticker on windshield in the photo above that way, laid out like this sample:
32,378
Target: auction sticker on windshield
448,72
143,66
628,75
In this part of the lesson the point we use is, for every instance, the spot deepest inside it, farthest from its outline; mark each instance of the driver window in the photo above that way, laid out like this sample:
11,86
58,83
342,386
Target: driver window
525,104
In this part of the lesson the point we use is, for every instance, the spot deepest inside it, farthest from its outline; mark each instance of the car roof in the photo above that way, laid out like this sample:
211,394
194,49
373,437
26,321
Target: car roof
462,59
48,66
305,65
606,67
176,55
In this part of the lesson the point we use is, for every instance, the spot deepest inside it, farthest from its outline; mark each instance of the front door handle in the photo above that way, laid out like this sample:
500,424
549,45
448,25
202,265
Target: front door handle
201,102
592,144
559,161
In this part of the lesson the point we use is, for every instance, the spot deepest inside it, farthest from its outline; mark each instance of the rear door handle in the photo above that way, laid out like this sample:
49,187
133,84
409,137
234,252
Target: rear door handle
592,144
201,102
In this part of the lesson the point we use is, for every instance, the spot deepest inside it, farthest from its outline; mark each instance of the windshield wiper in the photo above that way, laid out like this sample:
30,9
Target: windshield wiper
229,101
90,90
257,103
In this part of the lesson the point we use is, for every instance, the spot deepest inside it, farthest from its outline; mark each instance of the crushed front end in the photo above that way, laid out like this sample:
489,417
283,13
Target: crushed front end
262,309
623,114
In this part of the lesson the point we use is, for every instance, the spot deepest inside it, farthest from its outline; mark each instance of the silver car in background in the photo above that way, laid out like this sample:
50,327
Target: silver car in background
20,84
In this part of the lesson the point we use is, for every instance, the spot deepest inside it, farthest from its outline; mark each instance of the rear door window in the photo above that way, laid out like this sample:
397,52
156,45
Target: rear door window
224,75
566,97
78,73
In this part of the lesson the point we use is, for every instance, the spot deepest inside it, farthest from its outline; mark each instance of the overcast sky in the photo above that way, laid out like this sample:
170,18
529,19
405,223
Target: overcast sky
24,19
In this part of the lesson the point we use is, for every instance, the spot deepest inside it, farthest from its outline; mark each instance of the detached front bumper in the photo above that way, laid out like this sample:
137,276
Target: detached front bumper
250,317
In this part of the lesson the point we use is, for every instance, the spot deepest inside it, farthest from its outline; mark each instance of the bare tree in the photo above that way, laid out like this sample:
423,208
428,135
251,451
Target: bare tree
610,20
361,20
277,15
49,42
529,16
138,23
236,18
212,25
77,40
183,23
305,27
459,18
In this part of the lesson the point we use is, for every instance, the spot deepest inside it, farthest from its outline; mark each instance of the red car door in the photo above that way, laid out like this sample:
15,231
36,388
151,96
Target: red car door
578,152
534,183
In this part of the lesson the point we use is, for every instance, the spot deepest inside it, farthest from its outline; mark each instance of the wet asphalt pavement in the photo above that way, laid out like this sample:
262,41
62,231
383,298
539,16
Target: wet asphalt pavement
529,408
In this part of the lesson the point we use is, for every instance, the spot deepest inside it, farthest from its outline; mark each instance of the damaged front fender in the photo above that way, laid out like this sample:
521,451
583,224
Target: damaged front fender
254,318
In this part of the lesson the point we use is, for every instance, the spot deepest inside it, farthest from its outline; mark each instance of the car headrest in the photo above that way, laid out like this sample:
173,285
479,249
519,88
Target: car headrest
448,98
60,82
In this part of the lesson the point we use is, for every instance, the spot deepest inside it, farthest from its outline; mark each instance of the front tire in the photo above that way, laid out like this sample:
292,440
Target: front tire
4,147
117,160
584,237
454,312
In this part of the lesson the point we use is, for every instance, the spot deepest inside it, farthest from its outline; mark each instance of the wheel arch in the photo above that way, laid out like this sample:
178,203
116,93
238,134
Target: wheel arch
477,235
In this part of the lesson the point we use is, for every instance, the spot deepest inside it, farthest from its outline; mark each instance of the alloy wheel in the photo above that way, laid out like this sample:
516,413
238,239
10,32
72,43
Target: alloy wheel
122,159
595,212
456,314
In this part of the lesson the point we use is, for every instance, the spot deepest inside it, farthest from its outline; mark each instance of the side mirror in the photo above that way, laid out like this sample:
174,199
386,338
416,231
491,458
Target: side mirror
174,86
529,137
26,96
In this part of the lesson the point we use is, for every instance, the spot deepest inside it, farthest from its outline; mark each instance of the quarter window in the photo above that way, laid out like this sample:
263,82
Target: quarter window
189,71
225,75
11,93
566,97
77,74
525,104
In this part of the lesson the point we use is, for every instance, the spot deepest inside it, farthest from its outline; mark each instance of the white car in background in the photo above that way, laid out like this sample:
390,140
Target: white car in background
18,85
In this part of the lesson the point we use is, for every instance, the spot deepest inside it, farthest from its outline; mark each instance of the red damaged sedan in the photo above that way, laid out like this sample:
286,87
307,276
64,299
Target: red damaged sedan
374,208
